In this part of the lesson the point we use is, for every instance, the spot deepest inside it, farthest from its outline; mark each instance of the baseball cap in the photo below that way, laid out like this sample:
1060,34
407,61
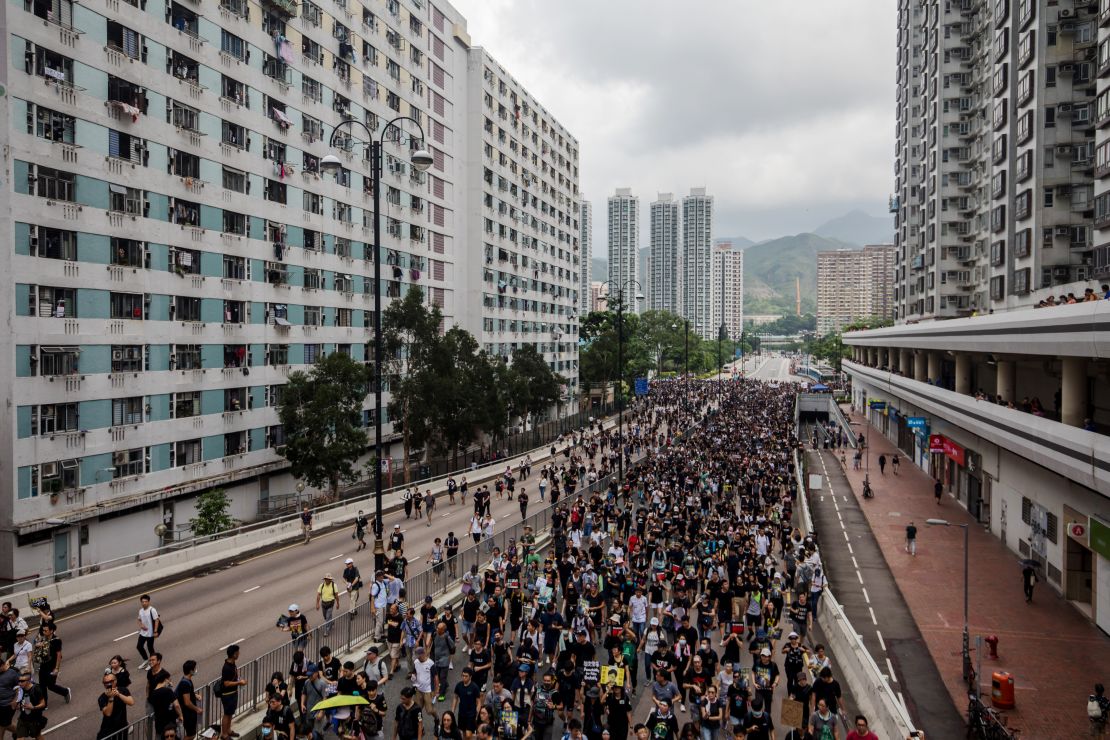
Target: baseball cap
327,577
792,635
396,526
766,652
372,649
348,561
312,668
655,621
294,607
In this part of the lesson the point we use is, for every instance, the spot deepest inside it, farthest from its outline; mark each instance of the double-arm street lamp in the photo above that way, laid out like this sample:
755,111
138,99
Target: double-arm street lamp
620,360
421,160
966,651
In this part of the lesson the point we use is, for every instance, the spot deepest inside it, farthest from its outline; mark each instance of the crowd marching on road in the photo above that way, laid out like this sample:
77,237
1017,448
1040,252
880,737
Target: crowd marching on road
674,603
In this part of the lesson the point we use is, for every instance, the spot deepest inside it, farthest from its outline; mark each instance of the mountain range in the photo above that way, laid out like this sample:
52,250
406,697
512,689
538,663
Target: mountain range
772,265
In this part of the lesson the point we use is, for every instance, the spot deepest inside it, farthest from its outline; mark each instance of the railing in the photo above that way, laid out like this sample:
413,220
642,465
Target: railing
357,625
516,445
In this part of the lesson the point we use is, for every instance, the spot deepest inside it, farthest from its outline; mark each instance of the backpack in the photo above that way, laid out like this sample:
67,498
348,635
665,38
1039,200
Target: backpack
1094,709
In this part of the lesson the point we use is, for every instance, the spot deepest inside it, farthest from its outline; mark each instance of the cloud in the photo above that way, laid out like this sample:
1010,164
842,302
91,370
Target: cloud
784,111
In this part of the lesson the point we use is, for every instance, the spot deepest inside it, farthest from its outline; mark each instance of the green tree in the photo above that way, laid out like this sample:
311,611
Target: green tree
410,339
213,514
469,400
535,386
321,414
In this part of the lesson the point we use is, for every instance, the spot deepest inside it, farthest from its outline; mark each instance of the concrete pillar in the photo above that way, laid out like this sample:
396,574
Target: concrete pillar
874,357
895,359
884,357
905,362
963,373
1073,391
934,367
1006,385
920,366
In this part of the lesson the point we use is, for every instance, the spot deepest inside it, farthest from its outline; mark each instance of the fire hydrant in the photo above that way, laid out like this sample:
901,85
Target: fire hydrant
992,643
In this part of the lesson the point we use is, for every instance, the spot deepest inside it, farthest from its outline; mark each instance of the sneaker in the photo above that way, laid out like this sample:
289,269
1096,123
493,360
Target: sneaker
682,707
144,665
69,695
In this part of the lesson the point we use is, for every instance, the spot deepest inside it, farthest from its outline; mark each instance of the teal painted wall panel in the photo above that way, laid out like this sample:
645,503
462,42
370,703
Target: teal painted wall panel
159,307
257,354
295,314
91,136
213,447
258,396
296,354
257,226
92,24
294,235
22,299
159,256
96,469
23,421
22,361
211,218
212,356
212,402
95,248
19,48
212,127
156,56
19,113
159,206
23,481
159,407
212,311
93,80
211,264
212,172
96,358
209,77
258,438
258,271
92,304
258,312
159,457
22,236
19,177
158,357
91,192
96,414
159,156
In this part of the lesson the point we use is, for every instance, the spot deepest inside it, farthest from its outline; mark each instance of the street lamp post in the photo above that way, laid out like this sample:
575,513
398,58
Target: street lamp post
421,160
966,649
620,365
686,355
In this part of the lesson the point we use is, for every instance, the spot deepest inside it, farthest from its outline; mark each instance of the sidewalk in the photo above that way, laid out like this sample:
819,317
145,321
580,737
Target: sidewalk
1053,652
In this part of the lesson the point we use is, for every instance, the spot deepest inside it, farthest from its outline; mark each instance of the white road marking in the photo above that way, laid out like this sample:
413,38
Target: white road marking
890,667
850,550
882,643
854,563
846,537
252,588
865,596
342,592
225,647
129,634
333,557
859,577
60,724
873,620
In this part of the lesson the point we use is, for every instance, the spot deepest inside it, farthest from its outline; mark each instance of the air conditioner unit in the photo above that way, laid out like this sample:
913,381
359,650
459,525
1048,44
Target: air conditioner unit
1082,273
1063,148
1067,67
49,470
1064,107
117,354
119,459
1066,13
1060,271
1063,231
34,238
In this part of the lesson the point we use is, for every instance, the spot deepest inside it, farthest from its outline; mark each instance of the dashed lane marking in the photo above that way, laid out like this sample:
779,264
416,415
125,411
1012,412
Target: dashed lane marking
225,647
252,588
865,596
854,563
882,643
126,598
873,620
333,557
60,724
859,577
129,634
890,668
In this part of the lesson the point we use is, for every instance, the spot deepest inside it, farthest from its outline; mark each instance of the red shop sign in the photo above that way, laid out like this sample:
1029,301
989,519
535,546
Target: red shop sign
936,443
953,451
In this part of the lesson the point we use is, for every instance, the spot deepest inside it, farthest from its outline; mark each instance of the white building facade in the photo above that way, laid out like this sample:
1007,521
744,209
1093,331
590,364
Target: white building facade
176,252
586,251
665,248
697,266
728,284
624,244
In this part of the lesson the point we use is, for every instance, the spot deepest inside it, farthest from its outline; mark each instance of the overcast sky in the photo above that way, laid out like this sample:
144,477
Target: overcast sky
783,110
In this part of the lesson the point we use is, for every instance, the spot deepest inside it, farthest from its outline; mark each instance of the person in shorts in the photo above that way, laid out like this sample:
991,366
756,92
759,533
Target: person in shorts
229,690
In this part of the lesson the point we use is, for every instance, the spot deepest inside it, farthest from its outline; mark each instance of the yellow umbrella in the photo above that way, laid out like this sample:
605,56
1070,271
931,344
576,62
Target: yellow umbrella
340,700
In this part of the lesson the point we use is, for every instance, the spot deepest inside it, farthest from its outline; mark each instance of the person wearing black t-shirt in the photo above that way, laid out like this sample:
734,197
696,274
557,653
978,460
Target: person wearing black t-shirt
52,662
163,702
113,703
281,716
661,723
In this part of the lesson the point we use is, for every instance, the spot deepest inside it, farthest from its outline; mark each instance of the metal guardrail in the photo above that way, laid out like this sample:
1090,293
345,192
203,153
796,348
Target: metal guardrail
356,625
345,499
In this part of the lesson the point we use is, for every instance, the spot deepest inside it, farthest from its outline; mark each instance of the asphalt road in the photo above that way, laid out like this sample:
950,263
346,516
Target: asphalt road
238,603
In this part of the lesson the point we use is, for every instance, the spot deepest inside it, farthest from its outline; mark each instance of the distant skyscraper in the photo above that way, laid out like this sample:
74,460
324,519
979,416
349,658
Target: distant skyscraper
643,267
624,241
854,284
728,289
697,269
585,254
664,254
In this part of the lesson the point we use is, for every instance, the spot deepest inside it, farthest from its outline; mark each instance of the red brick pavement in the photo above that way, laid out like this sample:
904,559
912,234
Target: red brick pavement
1053,651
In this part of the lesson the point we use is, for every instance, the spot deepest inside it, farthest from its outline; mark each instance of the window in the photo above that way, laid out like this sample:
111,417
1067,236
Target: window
127,358
186,308
127,411
998,218
1021,281
1025,165
1049,196
187,452
235,135
128,252
311,12
312,50
312,129
235,268
126,200
53,184
233,46
235,180
55,244
998,252
63,475
1022,206
54,418
1050,116
312,89
235,312
53,66
313,203
998,287
124,40
186,405
275,192
185,357
234,223
233,90
49,124
54,361
277,354
313,352
126,306
184,262
313,316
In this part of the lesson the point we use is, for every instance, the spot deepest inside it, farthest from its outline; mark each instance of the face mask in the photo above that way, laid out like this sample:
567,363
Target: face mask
265,731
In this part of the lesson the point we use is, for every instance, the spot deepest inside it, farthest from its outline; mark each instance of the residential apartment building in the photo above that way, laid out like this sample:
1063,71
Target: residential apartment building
697,267
853,284
529,224
664,248
624,243
176,251
586,251
995,154
728,284
599,295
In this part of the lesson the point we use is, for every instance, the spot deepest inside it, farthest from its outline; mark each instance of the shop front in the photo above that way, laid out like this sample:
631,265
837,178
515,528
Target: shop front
916,443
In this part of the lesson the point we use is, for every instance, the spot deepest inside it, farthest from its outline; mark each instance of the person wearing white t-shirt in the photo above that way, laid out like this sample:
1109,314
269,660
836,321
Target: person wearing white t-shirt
638,605
21,652
425,681
148,629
